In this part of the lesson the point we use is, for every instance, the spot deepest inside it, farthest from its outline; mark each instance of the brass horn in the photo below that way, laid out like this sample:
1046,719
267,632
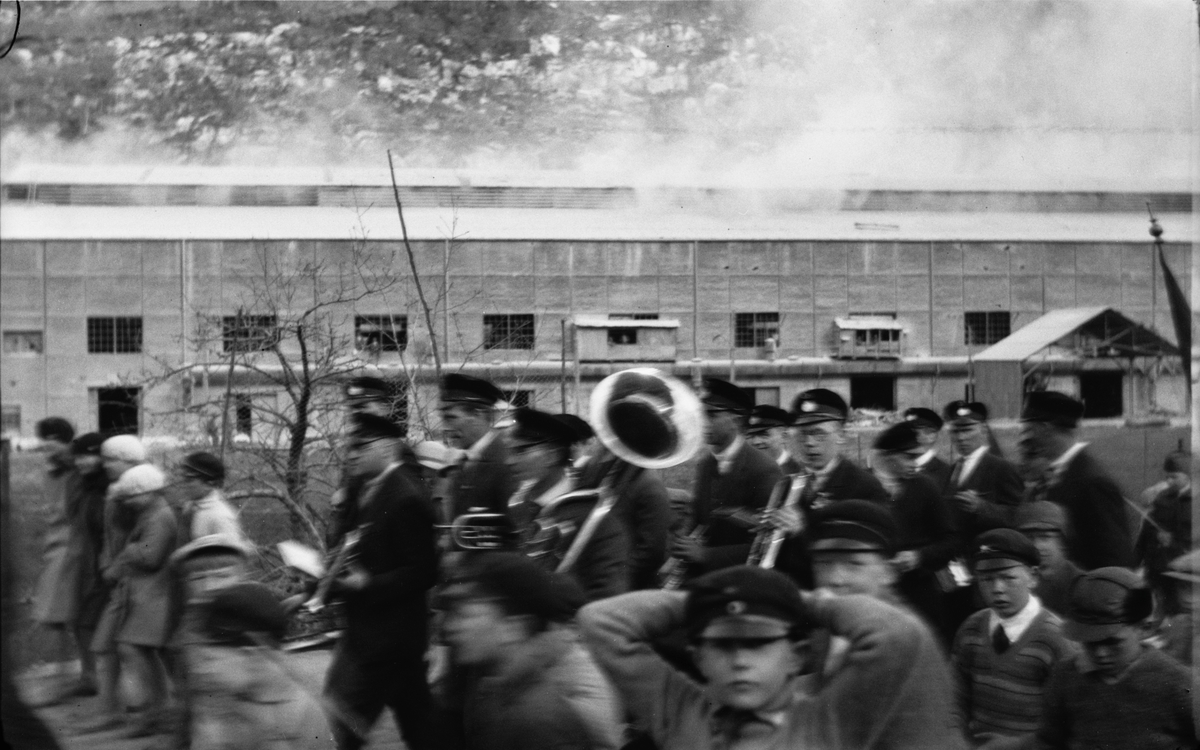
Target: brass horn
647,418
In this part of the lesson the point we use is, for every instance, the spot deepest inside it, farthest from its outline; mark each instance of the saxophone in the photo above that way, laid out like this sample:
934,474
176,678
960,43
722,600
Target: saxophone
768,541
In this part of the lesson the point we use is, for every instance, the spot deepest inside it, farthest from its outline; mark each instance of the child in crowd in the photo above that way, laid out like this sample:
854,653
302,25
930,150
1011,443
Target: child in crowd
1177,629
1045,523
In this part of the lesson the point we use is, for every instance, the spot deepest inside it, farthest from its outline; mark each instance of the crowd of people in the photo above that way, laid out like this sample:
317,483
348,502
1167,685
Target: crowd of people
528,583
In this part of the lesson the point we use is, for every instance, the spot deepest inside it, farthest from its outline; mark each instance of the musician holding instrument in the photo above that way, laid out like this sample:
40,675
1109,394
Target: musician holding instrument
379,660
733,483
550,516
483,481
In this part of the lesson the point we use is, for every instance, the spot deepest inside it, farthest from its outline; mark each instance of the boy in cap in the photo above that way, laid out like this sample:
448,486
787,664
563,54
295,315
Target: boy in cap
733,483
853,543
205,511
1045,524
1097,525
1118,693
1178,630
525,680
549,515
1166,530
750,629
1004,654
484,482
927,541
928,425
767,431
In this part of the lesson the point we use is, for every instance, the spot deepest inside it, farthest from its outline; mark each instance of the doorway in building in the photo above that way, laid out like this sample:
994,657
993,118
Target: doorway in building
1103,394
877,392
117,410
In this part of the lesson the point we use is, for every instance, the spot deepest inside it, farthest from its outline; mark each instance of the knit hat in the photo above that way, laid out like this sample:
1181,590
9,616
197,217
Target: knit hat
1052,407
1003,548
920,417
1104,600
854,526
819,405
744,602
139,480
124,448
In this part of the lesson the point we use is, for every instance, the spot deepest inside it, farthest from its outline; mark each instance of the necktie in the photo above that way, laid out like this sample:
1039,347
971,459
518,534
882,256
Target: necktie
1000,640
956,474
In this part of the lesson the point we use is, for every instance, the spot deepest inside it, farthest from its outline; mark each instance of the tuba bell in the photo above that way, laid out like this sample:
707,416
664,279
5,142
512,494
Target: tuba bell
647,418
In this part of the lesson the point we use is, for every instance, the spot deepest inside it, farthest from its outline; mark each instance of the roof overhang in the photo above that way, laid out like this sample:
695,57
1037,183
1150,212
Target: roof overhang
1082,332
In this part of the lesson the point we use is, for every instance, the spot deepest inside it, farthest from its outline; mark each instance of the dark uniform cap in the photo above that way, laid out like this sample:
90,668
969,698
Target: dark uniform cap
245,608
819,405
965,412
458,387
744,602
203,465
87,444
1003,548
854,526
368,387
919,416
1185,567
765,417
525,587
1104,600
533,426
583,430
901,436
1052,407
374,427
1042,515
721,394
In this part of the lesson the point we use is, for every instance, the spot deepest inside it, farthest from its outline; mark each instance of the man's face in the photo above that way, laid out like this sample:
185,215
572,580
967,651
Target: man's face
815,445
529,460
967,437
1049,546
463,425
772,441
1006,591
478,631
901,464
376,406
721,427
368,458
1113,655
868,573
926,437
750,674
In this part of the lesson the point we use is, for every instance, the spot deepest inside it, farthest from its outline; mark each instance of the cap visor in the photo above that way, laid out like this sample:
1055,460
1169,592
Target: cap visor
1181,576
834,544
746,626
814,418
1088,632
1000,563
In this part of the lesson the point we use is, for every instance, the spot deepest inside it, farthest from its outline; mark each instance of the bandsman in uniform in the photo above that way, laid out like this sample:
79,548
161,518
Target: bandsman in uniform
483,481
1097,525
550,516
733,483
985,489
929,428
767,431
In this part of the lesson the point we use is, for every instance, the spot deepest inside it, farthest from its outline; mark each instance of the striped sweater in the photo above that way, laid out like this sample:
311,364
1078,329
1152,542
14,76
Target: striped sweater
1002,693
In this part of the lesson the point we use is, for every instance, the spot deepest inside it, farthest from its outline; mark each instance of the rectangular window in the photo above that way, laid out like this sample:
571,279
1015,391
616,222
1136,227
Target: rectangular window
118,410
114,335
518,399
244,416
751,330
10,419
381,333
986,328
507,331
633,316
249,333
622,336
23,342
874,392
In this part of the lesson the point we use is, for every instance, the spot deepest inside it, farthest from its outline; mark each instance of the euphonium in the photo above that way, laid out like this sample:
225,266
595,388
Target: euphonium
765,550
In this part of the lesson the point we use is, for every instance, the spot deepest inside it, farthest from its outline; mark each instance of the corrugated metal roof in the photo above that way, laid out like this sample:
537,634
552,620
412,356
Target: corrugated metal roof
603,321
1107,330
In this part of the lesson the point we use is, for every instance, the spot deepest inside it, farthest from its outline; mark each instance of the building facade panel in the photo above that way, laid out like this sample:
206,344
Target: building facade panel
1097,289
589,258
21,259
1026,258
20,295
947,259
629,294
755,293
1060,292
872,294
986,259
795,259
986,293
551,259
796,293
1060,259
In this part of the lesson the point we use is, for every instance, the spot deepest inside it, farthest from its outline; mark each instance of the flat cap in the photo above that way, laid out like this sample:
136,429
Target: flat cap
1052,407
124,448
1186,567
524,586
1003,548
1041,515
245,608
1104,600
457,387
87,444
374,427
139,480
901,436
532,427
721,394
583,430
55,428
819,405
765,417
965,412
203,466
744,602
919,416
854,526
368,387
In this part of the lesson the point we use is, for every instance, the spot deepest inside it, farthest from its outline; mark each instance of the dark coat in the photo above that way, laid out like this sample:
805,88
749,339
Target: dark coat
745,487
645,511
926,525
939,471
1098,527
145,583
484,483
1171,513
602,568
399,554
1002,489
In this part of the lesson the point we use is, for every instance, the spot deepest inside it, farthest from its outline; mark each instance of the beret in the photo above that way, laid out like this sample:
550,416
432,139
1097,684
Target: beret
962,412
744,602
1052,407
87,444
124,448
366,386
583,430
245,608
854,526
901,436
466,388
55,428
1041,515
206,466
764,417
523,585
1102,601
721,394
373,427
533,426
819,405
1000,548
139,480
922,417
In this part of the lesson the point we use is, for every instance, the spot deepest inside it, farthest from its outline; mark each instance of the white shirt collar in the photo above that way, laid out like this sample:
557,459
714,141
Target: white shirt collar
725,458
971,462
1015,626
926,457
475,452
